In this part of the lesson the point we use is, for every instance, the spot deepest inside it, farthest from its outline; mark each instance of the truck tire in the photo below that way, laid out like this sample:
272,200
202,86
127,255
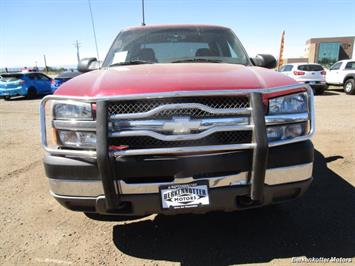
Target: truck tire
7,98
349,86
31,93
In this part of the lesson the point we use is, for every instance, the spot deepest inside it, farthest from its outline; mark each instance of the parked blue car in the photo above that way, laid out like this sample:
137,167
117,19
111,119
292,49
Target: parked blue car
63,77
24,84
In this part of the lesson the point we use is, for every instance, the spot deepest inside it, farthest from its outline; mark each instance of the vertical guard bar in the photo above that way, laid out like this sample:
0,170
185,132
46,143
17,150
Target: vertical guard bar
261,150
103,160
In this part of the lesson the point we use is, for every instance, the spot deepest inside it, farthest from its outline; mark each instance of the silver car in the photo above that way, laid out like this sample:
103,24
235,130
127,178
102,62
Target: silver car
312,74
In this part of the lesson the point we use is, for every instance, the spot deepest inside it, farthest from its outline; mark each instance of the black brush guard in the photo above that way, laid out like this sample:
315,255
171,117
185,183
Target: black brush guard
106,163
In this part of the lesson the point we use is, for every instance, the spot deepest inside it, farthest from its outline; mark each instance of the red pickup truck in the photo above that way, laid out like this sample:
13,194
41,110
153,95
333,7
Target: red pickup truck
178,119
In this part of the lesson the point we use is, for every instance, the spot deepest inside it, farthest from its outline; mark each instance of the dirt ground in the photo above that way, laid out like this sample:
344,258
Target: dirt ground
35,229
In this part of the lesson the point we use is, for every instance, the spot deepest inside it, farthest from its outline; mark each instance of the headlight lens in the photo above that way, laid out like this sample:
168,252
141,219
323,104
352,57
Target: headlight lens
293,103
275,133
77,139
72,110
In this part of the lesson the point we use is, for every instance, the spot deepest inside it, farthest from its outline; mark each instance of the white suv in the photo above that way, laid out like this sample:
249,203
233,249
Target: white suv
342,73
312,74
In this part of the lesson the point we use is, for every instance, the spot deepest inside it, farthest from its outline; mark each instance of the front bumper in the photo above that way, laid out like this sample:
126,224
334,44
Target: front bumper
12,92
221,199
76,184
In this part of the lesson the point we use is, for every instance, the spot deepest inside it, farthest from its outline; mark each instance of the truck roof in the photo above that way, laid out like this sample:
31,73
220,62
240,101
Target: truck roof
172,26
345,60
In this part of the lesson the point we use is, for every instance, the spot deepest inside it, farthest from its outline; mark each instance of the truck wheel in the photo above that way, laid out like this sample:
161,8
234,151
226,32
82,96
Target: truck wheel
7,98
349,87
31,93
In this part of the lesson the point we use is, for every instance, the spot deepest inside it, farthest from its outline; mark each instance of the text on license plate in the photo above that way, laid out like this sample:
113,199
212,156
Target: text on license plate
184,196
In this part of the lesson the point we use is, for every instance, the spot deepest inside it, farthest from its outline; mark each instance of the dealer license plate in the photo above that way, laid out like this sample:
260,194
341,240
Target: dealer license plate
182,196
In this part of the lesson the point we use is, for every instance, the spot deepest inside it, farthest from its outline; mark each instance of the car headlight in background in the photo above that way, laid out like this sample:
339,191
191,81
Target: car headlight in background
72,110
292,103
77,139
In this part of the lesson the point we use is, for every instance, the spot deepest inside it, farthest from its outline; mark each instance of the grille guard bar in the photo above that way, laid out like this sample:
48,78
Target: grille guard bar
269,120
260,144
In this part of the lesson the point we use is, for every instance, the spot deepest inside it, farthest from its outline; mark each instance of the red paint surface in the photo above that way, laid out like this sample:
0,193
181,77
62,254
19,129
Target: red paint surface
156,78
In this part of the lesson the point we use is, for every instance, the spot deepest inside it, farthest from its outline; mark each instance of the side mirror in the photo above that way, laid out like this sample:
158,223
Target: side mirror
264,60
88,64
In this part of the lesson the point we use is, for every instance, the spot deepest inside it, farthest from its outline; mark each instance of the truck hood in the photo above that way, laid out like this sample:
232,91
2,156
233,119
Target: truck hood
157,78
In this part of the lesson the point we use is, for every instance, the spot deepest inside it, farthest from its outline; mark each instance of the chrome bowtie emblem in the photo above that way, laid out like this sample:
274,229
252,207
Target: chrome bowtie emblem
182,125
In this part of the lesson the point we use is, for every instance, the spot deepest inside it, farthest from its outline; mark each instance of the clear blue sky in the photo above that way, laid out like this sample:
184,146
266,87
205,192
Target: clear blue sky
31,28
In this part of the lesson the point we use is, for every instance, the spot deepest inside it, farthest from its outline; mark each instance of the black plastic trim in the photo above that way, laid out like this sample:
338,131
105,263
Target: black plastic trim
261,150
104,162
57,167
131,167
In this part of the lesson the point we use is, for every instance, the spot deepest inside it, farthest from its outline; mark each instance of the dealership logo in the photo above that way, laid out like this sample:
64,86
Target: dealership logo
185,195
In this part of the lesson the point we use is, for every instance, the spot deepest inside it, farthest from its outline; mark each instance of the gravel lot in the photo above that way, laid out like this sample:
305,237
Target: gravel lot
36,230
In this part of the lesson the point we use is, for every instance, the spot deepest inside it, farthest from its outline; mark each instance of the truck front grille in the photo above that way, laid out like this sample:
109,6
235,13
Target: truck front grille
181,122
220,138
145,105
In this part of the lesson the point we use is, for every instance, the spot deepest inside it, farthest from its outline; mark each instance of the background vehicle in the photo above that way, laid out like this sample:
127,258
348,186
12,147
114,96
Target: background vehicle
312,74
24,84
178,120
342,73
63,77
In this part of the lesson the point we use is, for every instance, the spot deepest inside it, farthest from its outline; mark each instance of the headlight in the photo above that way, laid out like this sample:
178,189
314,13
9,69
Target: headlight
293,103
72,110
275,133
77,139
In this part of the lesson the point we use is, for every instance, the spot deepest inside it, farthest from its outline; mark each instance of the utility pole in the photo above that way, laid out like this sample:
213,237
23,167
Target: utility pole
93,29
143,21
77,46
45,62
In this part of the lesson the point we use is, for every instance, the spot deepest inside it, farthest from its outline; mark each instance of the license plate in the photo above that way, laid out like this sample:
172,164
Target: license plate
183,196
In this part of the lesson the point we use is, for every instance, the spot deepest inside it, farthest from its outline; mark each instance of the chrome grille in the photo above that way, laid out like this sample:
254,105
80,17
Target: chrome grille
147,125
193,113
145,105
220,138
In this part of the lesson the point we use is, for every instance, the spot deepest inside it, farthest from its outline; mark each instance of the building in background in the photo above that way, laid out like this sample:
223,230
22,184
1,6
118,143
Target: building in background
327,51
295,60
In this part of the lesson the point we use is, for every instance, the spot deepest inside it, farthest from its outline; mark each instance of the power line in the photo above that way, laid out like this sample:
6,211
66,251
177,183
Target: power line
93,29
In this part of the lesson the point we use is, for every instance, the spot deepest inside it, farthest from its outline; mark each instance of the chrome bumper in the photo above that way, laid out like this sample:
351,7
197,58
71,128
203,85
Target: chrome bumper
274,176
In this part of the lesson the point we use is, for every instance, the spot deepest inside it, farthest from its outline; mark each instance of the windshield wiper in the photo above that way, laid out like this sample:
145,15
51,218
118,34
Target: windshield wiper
132,62
187,60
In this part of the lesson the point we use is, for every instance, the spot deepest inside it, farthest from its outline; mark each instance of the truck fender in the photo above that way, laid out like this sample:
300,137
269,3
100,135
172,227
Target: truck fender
349,76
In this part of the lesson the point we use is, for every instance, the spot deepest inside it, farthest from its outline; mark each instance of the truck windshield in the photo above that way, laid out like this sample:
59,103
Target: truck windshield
176,45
